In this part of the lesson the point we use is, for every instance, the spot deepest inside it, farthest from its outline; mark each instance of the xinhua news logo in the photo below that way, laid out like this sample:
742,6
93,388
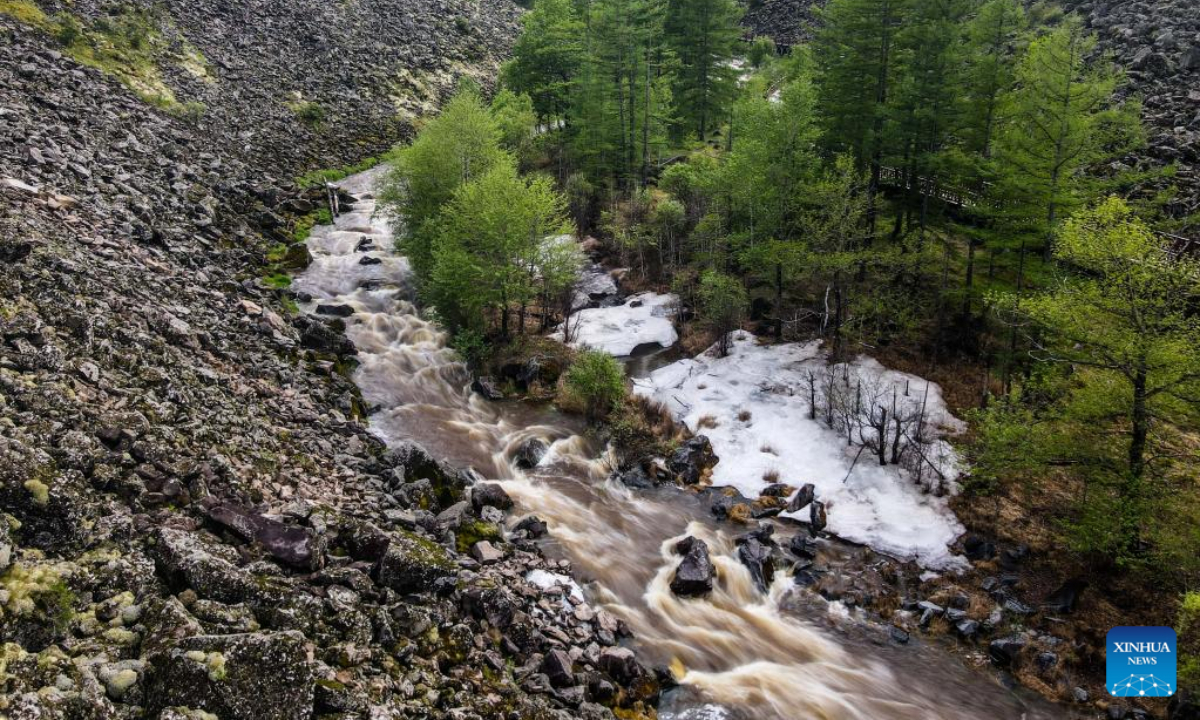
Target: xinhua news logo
1141,662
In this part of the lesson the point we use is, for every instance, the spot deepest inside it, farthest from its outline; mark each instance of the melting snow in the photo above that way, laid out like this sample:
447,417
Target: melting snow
644,319
880,506
546,580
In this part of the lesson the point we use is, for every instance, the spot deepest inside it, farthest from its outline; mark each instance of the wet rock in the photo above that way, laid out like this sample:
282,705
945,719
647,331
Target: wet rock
532,525
486,553
1184,705
977,548
490,494
803,547
802,498
694,576
251,676
759,560
817,519
487,387
295,546
316,335
370,260
620,664
530,453
1004,651
1065,598
692,460
342,311
1081,696
558,667
967,628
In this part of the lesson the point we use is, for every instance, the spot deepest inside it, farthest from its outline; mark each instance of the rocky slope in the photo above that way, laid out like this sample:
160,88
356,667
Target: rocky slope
1158,43
193,518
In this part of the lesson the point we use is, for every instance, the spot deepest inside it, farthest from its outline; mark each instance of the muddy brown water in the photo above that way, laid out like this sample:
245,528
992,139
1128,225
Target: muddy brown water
783,655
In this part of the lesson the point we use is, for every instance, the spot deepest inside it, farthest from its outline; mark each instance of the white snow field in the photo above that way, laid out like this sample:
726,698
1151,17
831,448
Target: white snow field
767,385
644,319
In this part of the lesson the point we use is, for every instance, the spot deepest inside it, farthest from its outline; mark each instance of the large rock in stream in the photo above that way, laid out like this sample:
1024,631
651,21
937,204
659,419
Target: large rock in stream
694,576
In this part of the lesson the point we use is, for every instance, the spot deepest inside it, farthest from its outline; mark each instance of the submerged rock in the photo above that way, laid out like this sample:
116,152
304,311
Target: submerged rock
530,453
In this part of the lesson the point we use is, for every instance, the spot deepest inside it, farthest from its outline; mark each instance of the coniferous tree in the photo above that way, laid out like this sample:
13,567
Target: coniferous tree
546,58
857,64
1061,119
704,35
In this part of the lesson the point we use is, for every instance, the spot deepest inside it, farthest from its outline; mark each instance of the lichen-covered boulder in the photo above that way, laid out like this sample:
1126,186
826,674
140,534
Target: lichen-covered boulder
412,563
249,676
187,560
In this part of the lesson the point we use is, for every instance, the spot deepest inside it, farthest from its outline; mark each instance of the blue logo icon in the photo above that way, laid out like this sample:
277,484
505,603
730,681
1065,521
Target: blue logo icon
1140,662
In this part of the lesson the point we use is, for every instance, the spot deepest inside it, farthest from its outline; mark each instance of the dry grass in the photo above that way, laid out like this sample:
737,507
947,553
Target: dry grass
768,450
707,422
744,416
771,476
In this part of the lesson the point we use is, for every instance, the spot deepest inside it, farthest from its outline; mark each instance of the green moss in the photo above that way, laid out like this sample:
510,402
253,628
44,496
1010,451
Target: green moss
26,12
474,531
331,684
310,113
277,280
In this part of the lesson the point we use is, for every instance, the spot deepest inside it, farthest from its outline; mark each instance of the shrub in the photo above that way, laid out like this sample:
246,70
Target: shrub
595,384
473,348
310,113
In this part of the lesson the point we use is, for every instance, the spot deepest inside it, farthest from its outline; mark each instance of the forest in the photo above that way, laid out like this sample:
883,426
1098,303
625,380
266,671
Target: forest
951,185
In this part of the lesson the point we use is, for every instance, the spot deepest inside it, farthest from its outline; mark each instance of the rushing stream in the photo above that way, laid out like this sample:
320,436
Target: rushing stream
785,655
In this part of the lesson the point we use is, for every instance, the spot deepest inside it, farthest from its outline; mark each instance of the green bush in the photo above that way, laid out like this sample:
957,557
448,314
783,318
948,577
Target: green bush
594,384
473,348
310,113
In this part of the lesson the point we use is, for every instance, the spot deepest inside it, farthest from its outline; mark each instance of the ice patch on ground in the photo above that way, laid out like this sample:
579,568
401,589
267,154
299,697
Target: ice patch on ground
644,319
879,506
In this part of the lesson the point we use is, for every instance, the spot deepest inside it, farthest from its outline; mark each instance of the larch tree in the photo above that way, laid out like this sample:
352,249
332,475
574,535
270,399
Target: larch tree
704,35
546,58
1124,317
857,64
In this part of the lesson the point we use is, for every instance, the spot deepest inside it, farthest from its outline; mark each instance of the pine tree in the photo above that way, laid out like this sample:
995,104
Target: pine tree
924,116
704,35
991,55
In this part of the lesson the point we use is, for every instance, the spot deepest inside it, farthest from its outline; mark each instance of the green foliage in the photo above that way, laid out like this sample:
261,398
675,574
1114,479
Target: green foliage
1061,120
473,347
310,113
1187,625
1122,318
490,238
459,145
329,175
723,304
515,119
595,383
760,50
703,36
546,57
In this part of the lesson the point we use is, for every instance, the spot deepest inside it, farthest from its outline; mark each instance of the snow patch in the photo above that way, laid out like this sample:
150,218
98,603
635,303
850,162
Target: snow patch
644,319
547,580
757,396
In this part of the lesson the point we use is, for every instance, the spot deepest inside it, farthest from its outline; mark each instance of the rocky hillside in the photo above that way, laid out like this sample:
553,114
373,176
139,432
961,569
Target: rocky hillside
1158,43
787,22
193,518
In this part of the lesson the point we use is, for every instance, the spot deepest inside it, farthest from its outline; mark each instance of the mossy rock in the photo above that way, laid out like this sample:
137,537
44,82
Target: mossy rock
412,563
